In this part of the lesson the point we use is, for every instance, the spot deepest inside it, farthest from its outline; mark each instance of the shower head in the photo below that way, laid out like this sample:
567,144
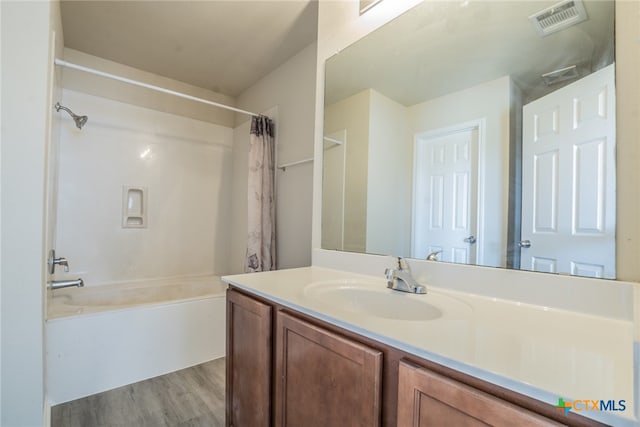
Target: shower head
80,120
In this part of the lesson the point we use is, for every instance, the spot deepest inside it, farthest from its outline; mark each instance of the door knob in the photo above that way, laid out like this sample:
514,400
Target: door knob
470,239
524,243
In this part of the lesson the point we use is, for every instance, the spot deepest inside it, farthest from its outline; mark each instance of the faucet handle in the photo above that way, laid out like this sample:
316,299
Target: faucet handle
53,261
403,265
63,262
390,275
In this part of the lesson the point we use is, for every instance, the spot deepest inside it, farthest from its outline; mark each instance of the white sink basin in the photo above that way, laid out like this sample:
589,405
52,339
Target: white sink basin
374,299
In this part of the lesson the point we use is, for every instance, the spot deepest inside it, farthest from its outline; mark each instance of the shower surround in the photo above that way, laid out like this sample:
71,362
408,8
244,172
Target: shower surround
184,167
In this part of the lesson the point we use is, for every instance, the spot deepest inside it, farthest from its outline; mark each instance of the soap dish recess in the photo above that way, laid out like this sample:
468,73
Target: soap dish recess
134,207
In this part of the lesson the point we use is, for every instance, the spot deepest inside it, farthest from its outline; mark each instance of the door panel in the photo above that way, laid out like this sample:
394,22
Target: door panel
589,207
248,382
324,379
568,190
445,195
545,192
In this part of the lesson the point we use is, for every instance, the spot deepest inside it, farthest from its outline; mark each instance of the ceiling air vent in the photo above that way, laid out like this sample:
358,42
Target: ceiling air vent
559,16
560,75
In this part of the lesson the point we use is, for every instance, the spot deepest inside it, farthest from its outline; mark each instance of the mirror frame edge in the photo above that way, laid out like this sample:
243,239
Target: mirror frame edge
627,139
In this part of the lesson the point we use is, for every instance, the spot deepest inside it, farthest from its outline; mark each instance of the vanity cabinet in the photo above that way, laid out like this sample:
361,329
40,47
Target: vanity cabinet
324,379
286,368
426,398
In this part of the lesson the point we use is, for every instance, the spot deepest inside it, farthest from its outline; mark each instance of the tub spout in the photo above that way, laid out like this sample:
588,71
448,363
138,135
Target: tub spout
59,284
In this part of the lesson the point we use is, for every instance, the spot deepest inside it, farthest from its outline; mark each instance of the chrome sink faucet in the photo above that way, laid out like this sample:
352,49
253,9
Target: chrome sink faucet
400,279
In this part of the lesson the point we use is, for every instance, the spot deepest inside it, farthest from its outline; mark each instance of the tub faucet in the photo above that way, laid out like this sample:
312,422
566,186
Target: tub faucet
400,279
59,284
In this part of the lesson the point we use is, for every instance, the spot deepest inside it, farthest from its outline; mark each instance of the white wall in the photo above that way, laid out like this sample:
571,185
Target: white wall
26,86
389,182
333,193
290,88
53,149
378,172
51,167
185,166
352,115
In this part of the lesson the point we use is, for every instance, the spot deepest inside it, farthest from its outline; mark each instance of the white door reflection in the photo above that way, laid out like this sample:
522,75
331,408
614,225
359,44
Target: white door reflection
568,193
445,204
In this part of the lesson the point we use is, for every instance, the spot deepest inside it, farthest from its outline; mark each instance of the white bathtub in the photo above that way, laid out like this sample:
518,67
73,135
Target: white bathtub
102,337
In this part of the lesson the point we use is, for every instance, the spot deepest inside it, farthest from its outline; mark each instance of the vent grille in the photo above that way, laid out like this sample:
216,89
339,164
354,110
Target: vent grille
560,75
559,16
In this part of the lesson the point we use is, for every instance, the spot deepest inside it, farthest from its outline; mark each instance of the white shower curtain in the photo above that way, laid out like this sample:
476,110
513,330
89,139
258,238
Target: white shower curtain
261,244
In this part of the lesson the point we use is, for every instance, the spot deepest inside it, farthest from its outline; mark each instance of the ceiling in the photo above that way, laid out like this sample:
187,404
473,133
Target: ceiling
440,47
223,46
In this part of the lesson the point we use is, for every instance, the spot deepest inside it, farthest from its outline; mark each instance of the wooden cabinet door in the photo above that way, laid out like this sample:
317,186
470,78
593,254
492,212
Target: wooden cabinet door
324,379
249,349
426,398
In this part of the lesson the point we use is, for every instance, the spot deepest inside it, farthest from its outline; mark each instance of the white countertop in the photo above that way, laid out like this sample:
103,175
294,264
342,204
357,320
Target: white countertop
542,352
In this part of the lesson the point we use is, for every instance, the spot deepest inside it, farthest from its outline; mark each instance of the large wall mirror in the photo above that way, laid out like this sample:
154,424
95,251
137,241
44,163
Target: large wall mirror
479,132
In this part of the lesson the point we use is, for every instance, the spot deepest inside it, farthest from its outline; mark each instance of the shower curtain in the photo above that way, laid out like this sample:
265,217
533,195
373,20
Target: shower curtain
261,245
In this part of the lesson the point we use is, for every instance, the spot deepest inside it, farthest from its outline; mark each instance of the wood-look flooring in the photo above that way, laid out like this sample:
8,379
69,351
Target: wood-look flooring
189,397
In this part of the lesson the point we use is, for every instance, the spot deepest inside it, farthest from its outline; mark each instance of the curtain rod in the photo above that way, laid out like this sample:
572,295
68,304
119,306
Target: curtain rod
152,87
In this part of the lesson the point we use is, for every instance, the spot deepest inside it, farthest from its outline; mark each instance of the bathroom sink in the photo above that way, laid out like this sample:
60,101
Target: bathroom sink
373,298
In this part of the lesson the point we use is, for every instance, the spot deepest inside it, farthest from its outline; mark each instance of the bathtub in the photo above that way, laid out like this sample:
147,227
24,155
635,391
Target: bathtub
103,337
